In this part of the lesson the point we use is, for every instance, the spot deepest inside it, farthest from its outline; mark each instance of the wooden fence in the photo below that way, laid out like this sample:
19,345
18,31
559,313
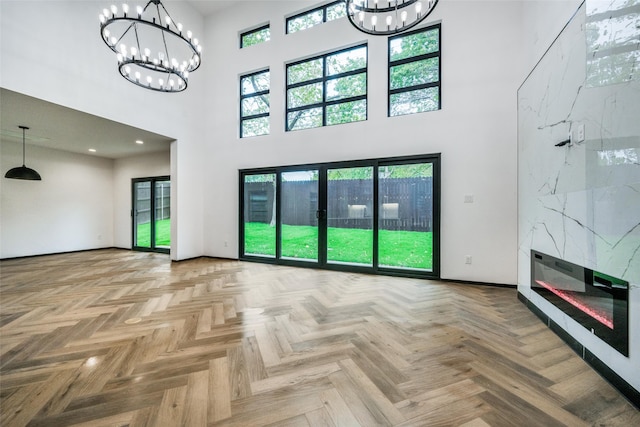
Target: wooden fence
405,203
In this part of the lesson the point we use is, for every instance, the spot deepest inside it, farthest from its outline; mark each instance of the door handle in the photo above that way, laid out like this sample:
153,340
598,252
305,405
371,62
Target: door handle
321,214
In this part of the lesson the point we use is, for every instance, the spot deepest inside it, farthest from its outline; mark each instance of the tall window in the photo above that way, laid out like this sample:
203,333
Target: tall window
313,17
414,72
328,89
255,36
254,104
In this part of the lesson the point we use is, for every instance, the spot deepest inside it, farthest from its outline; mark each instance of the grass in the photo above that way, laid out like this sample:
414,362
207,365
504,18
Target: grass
408,249
163,233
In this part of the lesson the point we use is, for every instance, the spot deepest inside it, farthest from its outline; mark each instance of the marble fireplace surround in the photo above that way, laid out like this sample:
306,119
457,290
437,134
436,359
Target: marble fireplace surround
579,171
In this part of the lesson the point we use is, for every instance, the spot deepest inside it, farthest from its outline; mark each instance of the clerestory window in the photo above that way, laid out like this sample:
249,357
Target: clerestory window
414,72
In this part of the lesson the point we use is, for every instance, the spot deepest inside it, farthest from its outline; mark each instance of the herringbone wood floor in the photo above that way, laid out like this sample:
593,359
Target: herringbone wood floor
112,337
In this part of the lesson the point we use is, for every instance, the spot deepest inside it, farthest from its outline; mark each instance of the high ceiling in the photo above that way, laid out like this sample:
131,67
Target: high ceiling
63,128
207,7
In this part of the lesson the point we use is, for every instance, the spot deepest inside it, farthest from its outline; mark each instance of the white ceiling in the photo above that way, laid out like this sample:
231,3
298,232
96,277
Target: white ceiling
54,126
207,7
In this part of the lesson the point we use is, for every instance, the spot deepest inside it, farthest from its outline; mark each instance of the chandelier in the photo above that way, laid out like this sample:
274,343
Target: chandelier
151,49
383,17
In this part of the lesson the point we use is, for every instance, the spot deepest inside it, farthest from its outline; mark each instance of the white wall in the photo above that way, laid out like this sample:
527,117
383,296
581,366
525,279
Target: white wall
70,209
571,205
475,131
124,170
52,50
542,21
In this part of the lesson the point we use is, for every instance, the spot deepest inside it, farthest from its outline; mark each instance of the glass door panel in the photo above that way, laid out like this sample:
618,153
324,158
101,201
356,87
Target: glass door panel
162,218
350,216
299,215
142,214
405,216
260,215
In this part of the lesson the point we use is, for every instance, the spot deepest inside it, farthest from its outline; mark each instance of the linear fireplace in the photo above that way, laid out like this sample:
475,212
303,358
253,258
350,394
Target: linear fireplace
595,300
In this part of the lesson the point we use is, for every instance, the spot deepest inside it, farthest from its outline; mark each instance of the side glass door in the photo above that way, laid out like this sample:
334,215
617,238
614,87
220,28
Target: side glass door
406,216
151,214
350,210
299,215
259,215
142,214
162,210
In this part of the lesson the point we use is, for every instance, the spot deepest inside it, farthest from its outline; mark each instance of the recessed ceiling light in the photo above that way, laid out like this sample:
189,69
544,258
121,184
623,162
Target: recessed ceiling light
93,150
139,142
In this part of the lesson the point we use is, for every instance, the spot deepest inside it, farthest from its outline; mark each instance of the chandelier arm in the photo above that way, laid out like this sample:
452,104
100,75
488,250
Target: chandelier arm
125,32
170,18
135,30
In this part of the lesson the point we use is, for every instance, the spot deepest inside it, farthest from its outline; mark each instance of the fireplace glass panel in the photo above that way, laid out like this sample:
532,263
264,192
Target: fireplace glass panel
595,300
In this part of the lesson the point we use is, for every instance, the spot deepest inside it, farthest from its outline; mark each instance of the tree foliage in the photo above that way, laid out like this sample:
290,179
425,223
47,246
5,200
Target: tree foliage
405,74
256,37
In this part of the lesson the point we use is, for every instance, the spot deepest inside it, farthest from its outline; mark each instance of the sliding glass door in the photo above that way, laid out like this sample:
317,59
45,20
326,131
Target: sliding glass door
405,215
151,214
350,216
299,215
378,216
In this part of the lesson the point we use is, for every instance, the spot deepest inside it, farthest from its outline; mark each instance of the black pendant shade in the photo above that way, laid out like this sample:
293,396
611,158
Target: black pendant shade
23,172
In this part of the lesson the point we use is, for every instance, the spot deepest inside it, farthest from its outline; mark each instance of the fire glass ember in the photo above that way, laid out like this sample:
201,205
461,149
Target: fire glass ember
593,299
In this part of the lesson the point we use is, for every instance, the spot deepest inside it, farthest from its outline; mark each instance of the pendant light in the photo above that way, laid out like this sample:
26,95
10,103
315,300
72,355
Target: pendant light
23,172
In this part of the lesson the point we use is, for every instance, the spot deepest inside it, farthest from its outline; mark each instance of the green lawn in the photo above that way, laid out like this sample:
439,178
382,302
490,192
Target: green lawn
410,249
163,233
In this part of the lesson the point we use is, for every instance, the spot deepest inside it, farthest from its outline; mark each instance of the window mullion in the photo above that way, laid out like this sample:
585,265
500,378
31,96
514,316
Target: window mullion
324,90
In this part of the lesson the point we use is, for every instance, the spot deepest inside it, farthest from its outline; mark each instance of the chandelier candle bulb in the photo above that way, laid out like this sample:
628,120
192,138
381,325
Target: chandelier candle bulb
139,10
114,9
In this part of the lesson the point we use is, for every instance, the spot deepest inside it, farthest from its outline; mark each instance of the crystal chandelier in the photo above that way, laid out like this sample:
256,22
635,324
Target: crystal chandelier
383,17
151,48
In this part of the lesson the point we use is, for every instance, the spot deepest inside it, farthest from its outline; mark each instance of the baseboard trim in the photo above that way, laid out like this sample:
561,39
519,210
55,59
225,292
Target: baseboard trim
472,282
62,253
598,365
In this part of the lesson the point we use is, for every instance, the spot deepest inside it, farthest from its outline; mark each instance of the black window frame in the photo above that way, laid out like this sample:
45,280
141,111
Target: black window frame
323,80
390,64
254,30
323,7
321,262
253,95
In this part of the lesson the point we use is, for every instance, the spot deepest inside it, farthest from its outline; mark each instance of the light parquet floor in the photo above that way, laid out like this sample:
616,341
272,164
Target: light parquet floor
230,343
